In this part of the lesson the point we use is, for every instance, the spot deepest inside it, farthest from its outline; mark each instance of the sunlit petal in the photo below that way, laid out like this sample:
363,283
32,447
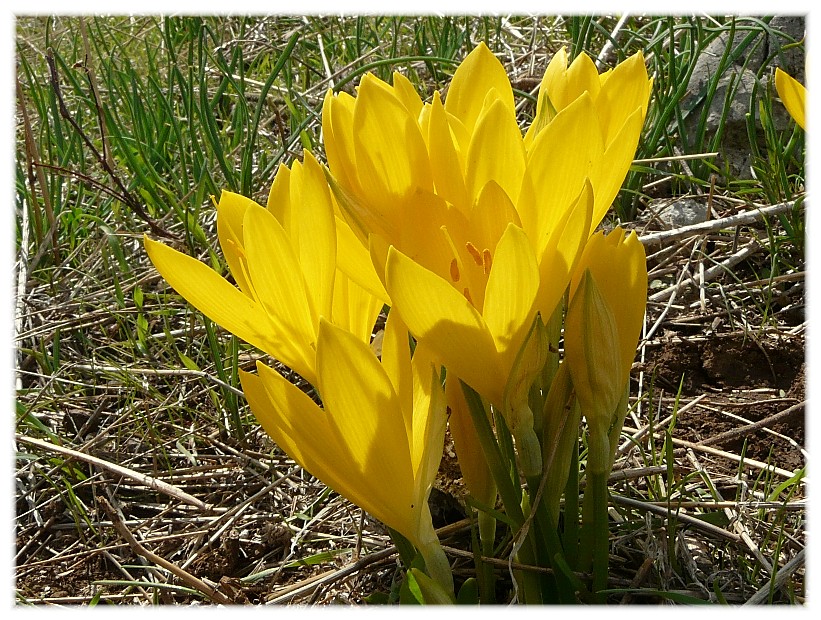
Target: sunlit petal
563,250
227,306
446,165
279,196
480,72
277,277
433,310
354,259
337,127
391,157
608,172
230,213
793,95
626,90
350,375
406,93
354,309
511,293
558,165
313,233
496,152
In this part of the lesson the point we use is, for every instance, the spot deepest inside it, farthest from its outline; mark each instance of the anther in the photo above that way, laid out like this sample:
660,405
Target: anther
487,261
474,252
454,270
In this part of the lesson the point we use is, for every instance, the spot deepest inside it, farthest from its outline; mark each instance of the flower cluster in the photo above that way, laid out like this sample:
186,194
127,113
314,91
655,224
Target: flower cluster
481,238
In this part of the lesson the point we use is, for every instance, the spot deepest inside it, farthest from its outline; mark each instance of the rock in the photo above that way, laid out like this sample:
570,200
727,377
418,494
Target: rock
746,72
665,214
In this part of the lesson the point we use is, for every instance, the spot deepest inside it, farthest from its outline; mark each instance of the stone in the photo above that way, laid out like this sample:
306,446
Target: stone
746,75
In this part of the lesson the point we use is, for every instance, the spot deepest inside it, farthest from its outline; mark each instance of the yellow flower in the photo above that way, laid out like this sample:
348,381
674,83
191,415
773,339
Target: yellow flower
793,96
428,177
283,259
481,345
472,227
378,440
478,343
604,319
605,134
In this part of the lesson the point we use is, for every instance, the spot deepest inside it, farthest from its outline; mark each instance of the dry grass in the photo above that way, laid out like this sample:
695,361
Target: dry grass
141,477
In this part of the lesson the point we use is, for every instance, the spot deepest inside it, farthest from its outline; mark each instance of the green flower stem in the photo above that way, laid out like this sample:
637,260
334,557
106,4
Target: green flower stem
615,430
549,545
595,534
493,455
507,491
487,537
436,563
570,534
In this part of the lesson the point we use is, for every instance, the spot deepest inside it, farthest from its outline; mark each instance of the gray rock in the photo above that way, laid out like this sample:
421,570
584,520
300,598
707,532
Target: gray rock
678,213
746,73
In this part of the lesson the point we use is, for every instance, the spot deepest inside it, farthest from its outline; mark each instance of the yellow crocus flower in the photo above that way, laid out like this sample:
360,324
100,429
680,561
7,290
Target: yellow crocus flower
430,188
284,265
604,319
793,96
378,438
615,104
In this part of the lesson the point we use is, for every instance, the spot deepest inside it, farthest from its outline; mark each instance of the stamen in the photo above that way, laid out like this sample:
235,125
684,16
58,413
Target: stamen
487,261
456,266
454,271
474,252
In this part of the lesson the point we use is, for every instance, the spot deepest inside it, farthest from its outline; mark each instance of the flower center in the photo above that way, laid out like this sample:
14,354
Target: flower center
462,270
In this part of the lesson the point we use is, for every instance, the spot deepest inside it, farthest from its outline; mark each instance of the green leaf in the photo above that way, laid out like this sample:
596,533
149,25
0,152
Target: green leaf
188,362
377,598
432,592
468,593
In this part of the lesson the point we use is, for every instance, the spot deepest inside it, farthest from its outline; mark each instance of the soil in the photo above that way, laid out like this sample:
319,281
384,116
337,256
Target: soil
744,379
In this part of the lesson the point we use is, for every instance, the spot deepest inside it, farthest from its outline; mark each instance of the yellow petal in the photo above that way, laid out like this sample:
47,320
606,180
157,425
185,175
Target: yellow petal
626,90
227,306
480,72
295,423
365,416
354,309
793,95
545,108
472,463
354,259
421,238
277,278
313,233
429,420
559,164
446,165
608,172
434,311
279,196
337,135
230,213
496,152
406,93
491,214
511,293
391,157
308,435
592,352
396,360
563,251
582,76
617,261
